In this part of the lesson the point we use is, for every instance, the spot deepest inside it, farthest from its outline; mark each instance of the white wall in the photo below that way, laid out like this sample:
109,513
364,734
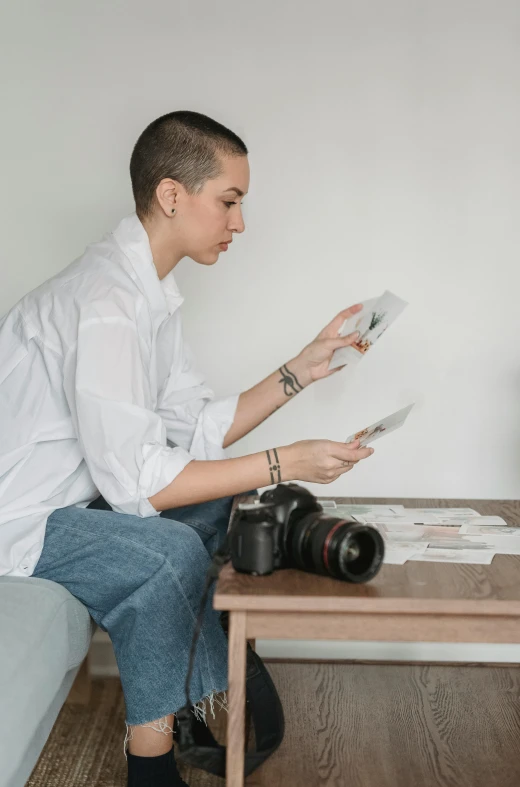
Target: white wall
384,141
384,154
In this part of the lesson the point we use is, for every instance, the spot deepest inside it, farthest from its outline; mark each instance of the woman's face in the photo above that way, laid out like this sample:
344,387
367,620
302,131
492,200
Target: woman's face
209,219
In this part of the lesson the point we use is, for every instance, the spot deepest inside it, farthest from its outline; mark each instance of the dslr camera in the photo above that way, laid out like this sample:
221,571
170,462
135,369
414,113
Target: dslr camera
286,528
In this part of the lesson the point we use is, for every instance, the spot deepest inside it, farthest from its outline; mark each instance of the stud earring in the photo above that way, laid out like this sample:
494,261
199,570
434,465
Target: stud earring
173,210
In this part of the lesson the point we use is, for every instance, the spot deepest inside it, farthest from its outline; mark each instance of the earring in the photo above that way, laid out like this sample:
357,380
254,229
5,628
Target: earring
173,210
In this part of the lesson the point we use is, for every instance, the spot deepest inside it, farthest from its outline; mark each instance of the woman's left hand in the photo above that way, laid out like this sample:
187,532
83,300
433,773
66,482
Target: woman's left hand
314,359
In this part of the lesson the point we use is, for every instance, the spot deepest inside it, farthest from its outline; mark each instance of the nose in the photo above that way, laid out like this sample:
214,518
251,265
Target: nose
236,223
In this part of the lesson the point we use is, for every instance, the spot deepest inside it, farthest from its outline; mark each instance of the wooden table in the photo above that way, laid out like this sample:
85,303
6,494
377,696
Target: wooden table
430,602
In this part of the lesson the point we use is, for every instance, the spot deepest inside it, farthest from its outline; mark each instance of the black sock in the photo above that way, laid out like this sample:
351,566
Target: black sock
158,771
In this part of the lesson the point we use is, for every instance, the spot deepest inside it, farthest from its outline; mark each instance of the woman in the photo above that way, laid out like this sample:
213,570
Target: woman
110,437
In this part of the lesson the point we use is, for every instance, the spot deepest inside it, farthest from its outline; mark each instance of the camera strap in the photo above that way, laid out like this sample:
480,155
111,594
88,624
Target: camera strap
197,746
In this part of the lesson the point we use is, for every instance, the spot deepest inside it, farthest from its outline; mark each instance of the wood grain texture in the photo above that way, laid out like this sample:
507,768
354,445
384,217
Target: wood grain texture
414,602
394,726
237,700
386,627
432,588
347,725
357,725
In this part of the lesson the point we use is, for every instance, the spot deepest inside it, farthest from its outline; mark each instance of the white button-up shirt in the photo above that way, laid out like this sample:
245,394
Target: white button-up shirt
98,393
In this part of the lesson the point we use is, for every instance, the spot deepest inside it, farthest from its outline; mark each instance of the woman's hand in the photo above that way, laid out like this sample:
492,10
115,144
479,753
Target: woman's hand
313,361
320,461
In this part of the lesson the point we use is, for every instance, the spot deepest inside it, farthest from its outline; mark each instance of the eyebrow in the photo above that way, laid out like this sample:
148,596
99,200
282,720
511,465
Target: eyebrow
239,193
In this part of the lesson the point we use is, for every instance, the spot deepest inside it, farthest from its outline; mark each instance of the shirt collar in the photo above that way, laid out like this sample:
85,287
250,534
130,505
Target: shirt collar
163,294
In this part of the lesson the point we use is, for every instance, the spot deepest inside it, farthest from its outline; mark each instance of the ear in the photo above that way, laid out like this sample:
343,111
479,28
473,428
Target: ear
167,193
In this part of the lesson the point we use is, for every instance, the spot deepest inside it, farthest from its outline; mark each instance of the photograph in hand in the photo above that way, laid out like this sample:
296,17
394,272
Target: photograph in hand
372,321
380,428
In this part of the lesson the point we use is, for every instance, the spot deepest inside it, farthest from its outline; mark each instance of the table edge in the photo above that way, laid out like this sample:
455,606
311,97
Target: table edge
396,606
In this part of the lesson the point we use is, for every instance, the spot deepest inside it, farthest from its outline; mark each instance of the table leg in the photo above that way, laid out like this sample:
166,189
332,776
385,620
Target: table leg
236,700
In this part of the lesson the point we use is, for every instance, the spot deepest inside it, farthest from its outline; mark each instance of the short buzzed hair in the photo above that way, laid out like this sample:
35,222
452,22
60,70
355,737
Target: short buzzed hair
183,146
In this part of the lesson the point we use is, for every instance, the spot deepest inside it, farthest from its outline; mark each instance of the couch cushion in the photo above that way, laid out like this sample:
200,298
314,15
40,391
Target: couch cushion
44,632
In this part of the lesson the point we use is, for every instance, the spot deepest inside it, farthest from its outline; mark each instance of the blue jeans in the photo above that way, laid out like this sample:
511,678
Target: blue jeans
141,579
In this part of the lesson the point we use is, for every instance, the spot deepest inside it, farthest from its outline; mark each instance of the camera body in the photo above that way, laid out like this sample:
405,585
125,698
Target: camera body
286,528
259,535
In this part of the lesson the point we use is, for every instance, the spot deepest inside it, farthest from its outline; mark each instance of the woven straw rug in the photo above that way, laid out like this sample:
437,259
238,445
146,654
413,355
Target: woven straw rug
85,747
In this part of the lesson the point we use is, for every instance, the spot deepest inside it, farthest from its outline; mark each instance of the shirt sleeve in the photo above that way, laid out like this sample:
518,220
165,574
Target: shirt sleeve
107,384
195,418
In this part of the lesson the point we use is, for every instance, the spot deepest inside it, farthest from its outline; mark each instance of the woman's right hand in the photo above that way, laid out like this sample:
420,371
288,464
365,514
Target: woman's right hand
320,461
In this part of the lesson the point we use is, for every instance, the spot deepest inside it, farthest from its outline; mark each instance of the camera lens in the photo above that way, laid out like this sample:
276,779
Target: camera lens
340,548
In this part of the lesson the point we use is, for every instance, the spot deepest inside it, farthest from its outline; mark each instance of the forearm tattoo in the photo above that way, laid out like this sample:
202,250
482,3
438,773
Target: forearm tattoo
274,467
290,382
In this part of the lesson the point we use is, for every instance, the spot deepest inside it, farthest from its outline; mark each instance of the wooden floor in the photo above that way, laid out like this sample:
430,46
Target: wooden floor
347,725
396,726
